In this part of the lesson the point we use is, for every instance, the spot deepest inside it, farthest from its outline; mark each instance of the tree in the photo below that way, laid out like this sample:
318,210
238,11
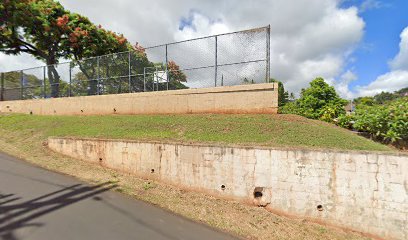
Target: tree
176,76
402,92
283,96
175,72
369,101
319,101
32,86
44,29
383,97
31,27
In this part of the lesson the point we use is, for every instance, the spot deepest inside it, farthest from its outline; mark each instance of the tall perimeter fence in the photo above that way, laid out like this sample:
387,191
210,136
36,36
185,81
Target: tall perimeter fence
220,60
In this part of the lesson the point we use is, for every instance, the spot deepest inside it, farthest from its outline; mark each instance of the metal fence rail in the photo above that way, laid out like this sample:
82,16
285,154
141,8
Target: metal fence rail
220,60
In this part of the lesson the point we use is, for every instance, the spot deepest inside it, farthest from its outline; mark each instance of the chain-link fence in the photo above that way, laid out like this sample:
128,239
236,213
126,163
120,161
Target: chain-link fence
220,60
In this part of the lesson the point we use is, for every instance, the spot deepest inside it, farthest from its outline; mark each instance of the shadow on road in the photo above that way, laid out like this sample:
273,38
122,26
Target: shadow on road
16,215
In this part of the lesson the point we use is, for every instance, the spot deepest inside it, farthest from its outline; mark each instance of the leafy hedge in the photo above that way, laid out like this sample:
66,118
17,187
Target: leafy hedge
384,116
386,122
319,101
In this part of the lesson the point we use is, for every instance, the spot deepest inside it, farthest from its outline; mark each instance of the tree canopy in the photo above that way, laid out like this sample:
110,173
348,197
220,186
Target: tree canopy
319,101
283,96
49,32
381,98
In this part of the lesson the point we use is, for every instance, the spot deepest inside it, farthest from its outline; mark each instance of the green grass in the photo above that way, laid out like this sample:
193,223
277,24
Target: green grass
261,130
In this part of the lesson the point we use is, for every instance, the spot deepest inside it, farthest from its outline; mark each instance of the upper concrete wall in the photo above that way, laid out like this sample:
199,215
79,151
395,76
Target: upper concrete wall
367,192
254,98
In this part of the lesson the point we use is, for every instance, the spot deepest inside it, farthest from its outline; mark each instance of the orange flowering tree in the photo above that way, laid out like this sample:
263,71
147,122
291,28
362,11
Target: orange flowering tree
47,31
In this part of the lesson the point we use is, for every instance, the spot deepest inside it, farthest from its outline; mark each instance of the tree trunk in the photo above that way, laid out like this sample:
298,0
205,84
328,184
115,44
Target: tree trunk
53,78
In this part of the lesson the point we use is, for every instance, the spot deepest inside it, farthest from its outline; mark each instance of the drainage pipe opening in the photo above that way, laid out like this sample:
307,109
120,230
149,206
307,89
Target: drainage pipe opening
258,192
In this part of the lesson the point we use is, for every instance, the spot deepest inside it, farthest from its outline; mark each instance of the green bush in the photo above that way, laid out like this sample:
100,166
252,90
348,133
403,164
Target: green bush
387,122
290,108
345,121
319,101
332,110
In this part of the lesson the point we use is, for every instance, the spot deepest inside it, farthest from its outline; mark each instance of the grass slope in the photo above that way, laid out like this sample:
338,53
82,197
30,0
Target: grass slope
23,136
261,130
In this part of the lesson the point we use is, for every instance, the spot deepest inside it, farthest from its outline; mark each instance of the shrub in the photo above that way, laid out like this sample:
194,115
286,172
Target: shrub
319,101
290,108
332,110
388,122
345,121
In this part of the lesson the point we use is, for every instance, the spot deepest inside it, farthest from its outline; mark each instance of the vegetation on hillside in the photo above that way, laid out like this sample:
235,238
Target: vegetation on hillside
283,96
260,130
381,98
245,220
386,122
384,117
319,101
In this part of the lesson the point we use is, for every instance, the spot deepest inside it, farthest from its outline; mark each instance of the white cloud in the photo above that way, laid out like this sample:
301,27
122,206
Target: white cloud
370,4
309,38
199,26
342,85
396,78
388,82
400,62
322,48
12,63
306,40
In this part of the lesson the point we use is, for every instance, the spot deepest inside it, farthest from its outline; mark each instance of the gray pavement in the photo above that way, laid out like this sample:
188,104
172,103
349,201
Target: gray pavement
39,204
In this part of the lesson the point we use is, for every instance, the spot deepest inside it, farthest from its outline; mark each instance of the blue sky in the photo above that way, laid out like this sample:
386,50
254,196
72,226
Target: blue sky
385,20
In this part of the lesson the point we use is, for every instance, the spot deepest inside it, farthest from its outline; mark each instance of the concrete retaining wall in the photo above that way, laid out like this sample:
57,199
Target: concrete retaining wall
254,98
367,192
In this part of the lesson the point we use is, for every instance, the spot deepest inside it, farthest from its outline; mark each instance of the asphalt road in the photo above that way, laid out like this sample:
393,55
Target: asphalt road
39,204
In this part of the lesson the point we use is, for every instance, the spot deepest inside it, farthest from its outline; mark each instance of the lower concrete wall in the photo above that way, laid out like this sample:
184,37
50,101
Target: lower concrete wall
253,98
367,192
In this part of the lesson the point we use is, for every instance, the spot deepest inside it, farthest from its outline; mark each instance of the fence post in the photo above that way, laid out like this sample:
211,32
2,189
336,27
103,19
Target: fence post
2,87
22,84
44,82
97,75
268,53
216,61
130,73
70,80
154,74
144,79
167,72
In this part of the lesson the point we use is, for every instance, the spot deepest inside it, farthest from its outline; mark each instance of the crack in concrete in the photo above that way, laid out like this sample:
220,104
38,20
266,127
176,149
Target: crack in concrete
377,172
